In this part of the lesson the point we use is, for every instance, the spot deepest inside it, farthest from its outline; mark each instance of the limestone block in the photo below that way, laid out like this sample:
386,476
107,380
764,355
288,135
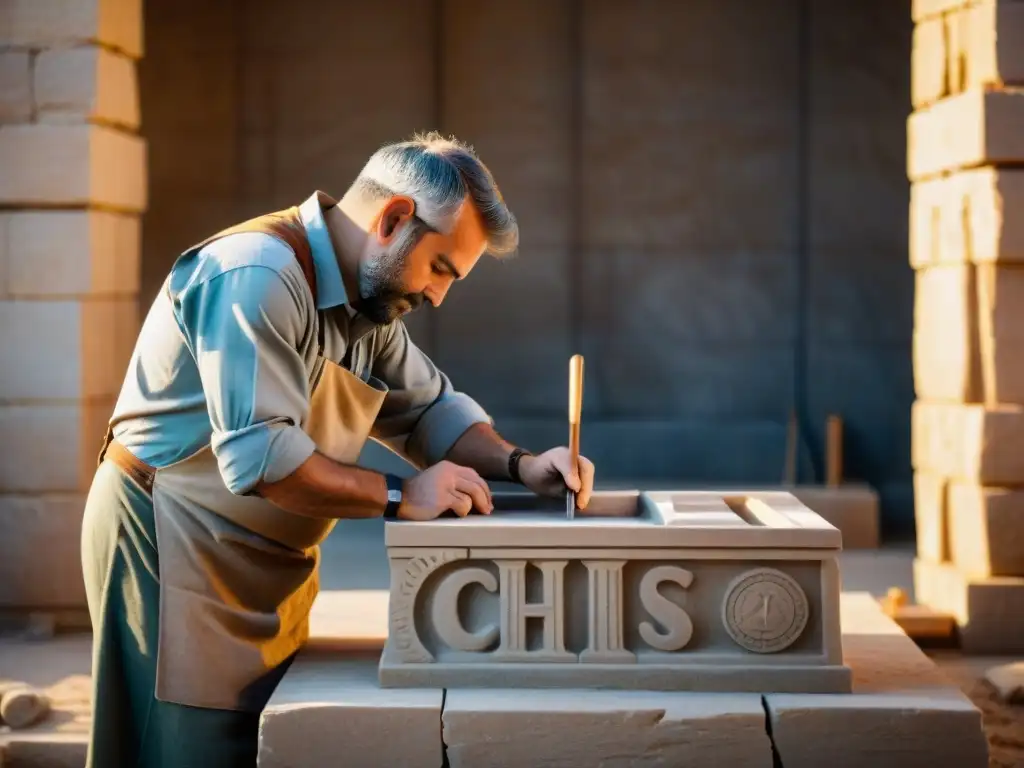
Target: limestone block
930,517
977,127
928,62
1008,680
65,349
968,216
903,712
926,9
72,253
974,443
989,611
328,710
986,45
986,530
500,728
45,23
72,165
968,334
30,525
88,83
15,87
54,446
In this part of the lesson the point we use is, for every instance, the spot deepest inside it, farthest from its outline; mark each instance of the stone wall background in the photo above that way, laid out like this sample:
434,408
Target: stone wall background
713,199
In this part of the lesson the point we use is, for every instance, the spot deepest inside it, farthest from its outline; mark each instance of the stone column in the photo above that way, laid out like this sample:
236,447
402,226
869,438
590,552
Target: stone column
72,189
965,150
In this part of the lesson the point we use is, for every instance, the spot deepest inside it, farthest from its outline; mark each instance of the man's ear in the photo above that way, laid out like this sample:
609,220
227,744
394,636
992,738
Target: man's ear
396,211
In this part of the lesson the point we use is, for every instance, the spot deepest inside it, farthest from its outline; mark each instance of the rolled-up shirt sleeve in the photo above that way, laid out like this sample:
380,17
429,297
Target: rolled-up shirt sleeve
423,415
244,327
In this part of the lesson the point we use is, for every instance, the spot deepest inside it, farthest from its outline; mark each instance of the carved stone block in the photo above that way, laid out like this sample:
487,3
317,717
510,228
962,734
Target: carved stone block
700,591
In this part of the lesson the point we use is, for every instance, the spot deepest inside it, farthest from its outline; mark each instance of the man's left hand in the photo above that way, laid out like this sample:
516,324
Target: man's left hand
550,473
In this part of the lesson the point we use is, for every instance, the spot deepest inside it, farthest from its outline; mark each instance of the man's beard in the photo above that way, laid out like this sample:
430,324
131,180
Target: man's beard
382,295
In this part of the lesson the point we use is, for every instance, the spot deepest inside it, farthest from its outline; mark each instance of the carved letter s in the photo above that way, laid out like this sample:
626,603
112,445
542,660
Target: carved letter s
675,620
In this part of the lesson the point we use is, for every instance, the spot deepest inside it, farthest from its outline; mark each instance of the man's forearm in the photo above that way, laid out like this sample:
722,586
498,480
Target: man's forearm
481,448
325,489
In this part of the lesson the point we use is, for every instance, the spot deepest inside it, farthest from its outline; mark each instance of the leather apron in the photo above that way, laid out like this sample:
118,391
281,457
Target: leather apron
238,575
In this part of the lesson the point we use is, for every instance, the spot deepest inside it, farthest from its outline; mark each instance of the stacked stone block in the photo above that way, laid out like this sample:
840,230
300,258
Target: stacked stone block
966,164
72,190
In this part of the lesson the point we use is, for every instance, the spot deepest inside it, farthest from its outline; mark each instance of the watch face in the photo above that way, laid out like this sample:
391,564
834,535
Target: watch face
394,496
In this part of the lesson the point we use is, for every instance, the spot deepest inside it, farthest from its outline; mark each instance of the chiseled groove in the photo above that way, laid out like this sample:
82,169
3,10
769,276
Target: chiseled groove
776,757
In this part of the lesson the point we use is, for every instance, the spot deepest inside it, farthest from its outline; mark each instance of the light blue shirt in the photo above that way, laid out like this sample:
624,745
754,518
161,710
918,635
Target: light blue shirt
229,347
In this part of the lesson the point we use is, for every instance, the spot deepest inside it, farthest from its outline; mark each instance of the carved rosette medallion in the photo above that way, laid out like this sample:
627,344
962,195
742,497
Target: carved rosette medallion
765,610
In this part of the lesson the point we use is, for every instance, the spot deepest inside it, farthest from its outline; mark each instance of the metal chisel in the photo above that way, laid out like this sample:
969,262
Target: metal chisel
575,410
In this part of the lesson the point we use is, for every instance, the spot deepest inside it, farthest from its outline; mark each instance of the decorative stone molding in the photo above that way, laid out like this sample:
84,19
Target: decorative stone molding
660,591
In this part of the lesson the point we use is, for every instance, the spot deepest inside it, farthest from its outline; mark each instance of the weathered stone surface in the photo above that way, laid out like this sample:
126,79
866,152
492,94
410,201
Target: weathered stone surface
989,611
32,23
969,442
1008,680
902,711
328,710
71,253
53,446
15,86
931,517
72,165
986,530
87,83
513,729
33,524
977,127
65,349
967,217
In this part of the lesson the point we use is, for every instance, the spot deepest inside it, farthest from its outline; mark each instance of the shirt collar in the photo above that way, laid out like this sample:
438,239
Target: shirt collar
330,287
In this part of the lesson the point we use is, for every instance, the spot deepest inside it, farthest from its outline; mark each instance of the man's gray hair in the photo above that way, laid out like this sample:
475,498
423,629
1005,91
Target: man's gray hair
439,173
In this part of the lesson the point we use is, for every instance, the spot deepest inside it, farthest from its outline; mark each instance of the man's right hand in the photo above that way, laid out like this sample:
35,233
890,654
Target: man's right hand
442,487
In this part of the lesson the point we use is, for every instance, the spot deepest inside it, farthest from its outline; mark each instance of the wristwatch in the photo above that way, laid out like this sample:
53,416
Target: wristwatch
513,464
395,484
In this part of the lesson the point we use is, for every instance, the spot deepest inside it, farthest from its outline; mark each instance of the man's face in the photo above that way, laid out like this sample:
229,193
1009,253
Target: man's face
398,272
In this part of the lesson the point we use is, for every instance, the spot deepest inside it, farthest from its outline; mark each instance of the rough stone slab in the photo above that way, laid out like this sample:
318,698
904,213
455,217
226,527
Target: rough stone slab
969,442
967,217
902,713
15,87
39,24
328,710
72,253
507,729
852,508
977,127
86,84
65,349
986,530
56,445
989,611
29,525
47,164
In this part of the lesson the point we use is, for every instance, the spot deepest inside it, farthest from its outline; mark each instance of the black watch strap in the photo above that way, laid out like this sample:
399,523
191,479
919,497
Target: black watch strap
513,464
395,485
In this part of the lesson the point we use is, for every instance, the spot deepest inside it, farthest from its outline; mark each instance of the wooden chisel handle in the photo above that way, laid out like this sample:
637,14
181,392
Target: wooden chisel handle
575,407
